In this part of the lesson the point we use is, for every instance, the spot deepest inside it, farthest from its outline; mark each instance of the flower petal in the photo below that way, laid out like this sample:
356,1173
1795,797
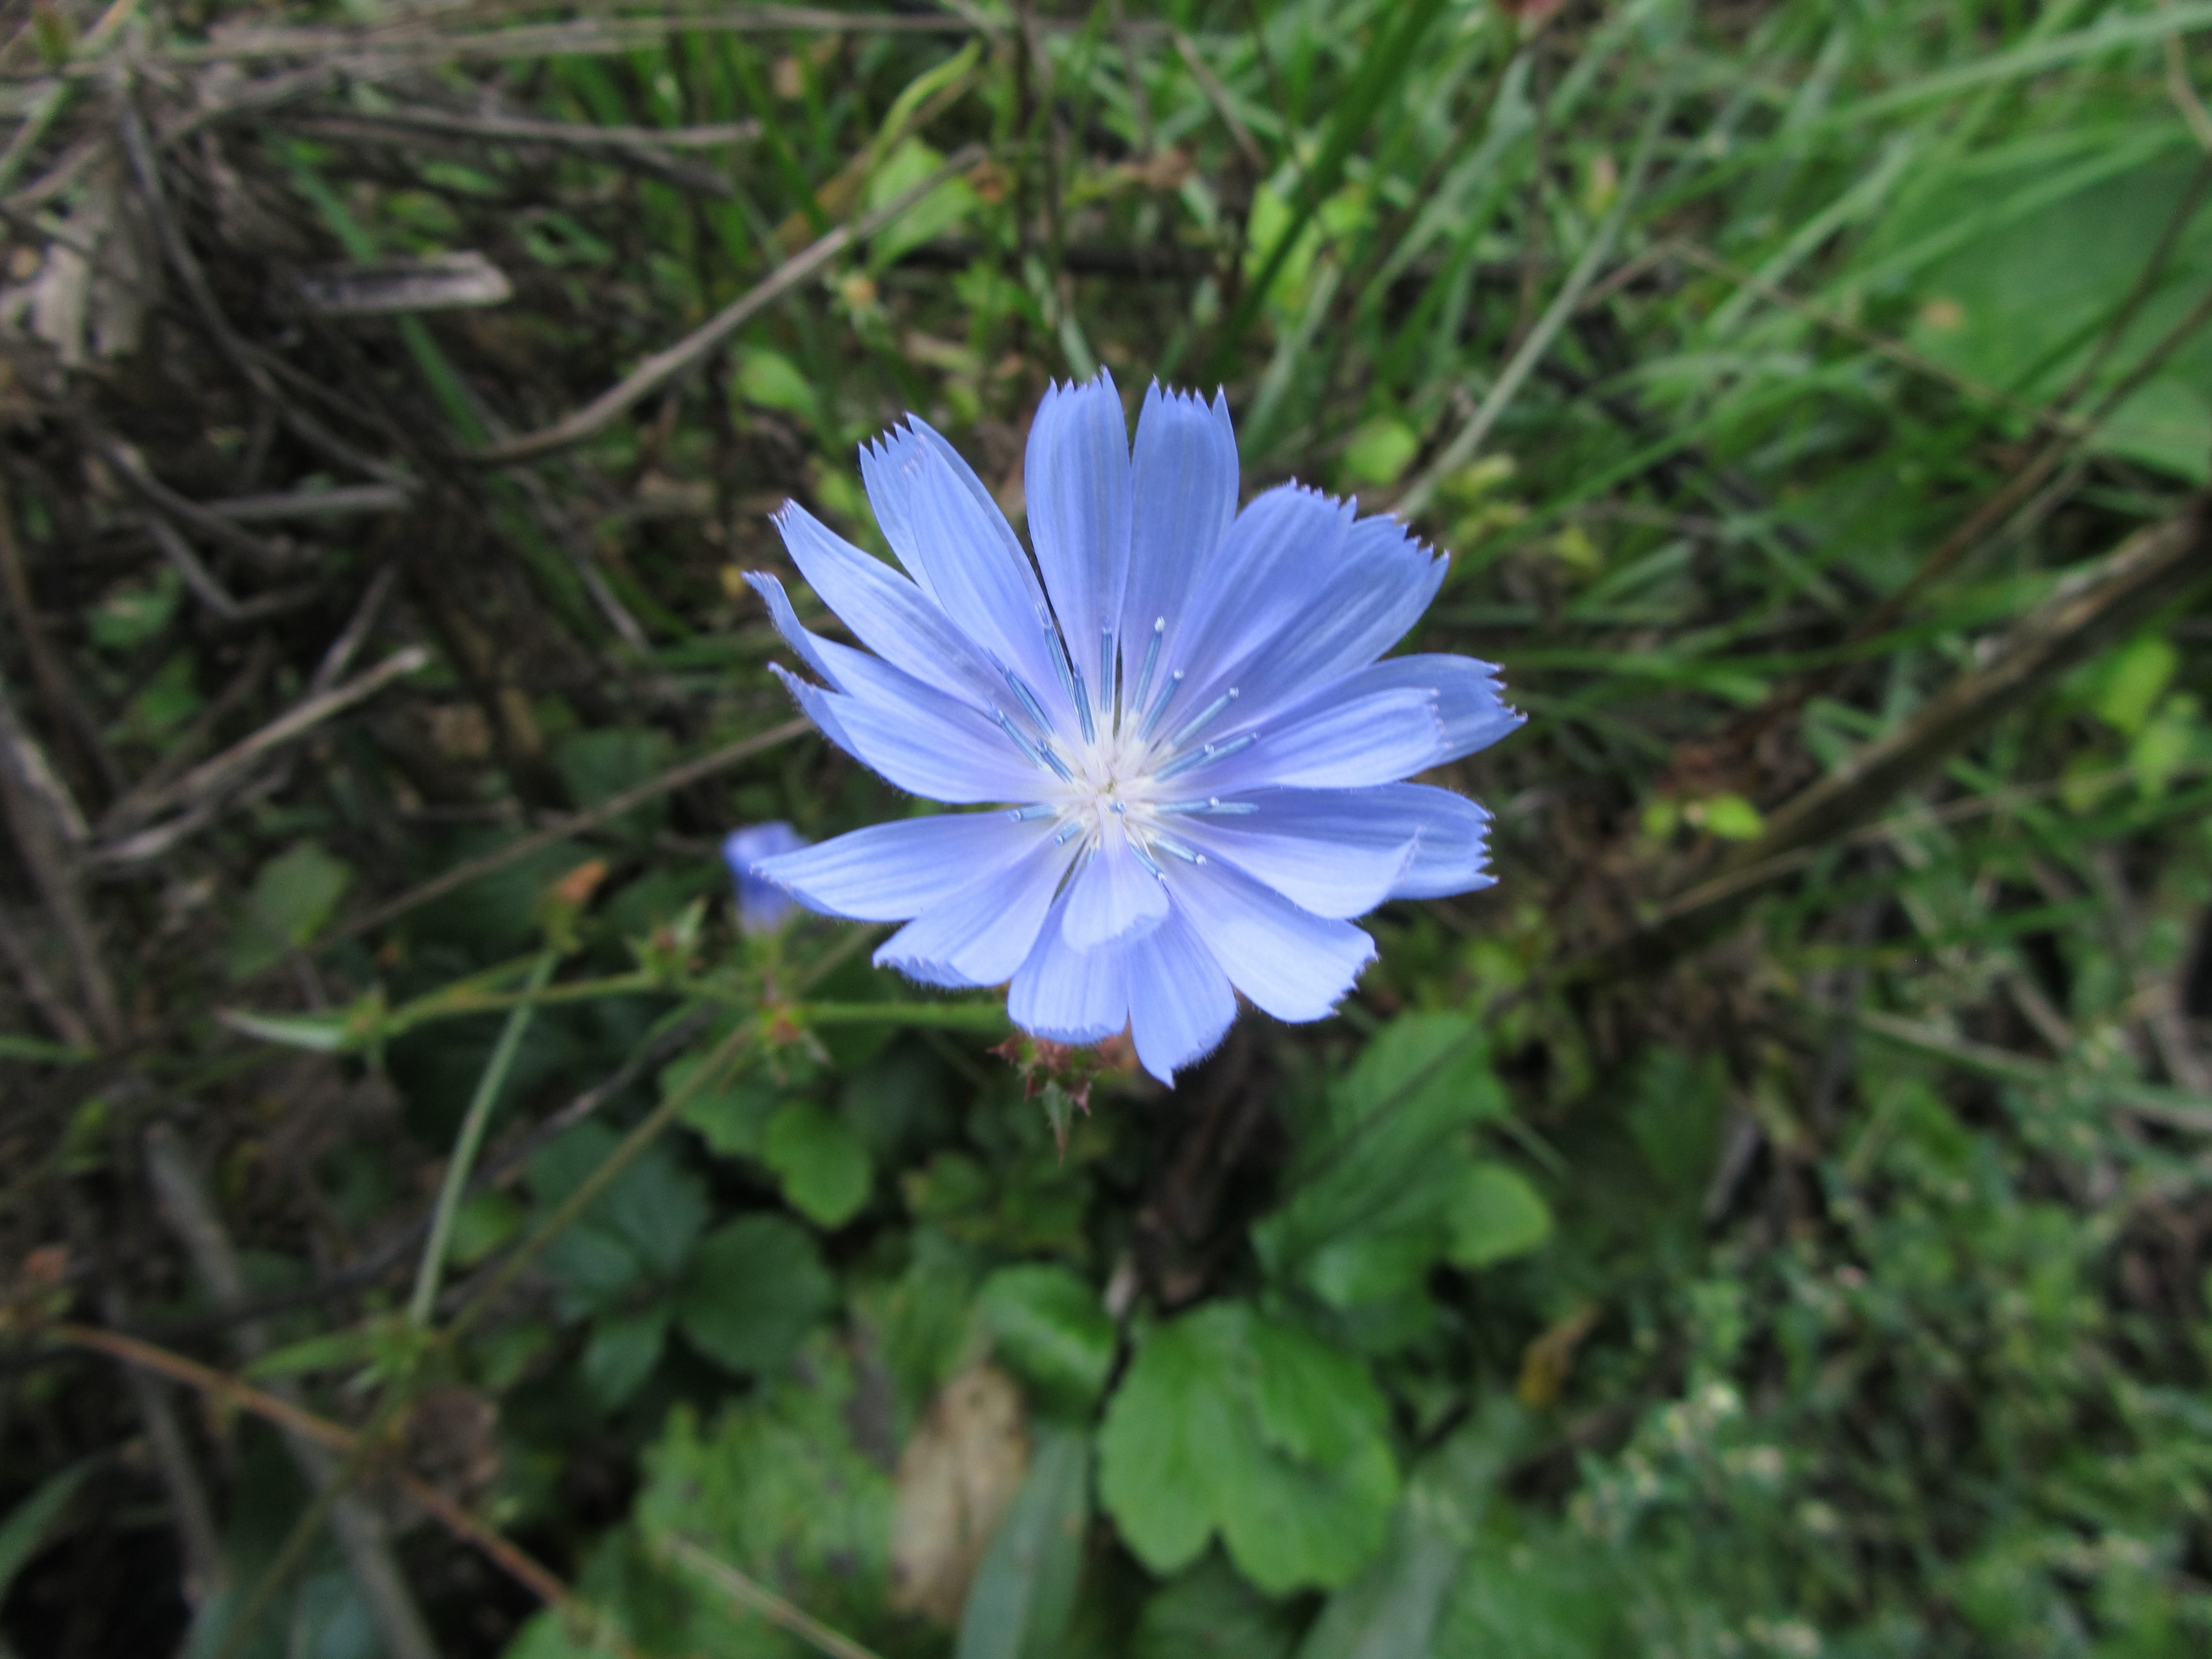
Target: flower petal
1076,477
886,612
894,872
1378,582
1292,962
1069,995
1186,479
1113,896
921,740
983,931
1470,712
1311,844
1275,556
1452,855
817,653
948,532
1329,851
1180,1001
1346,743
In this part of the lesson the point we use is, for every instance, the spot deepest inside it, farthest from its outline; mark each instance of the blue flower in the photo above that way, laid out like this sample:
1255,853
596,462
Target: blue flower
763,906
1194,753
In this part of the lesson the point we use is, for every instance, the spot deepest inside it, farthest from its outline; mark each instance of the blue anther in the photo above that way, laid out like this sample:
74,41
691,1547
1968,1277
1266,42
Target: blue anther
1210,752
1160,709
1035,710
1200,719
1170,844
1152,661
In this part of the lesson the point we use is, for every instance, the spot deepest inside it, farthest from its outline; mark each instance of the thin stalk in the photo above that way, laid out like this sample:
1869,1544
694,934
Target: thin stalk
424,1302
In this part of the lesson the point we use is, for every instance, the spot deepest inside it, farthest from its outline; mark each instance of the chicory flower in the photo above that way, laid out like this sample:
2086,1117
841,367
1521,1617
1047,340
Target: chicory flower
1192,755
763,906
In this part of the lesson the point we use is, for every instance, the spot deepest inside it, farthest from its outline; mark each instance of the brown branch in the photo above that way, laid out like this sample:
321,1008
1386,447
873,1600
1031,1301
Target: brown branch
2091,607
695,348
297,1420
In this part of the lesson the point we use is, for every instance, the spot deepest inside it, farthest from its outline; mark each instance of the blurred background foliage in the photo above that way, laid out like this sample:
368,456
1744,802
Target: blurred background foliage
1774,1220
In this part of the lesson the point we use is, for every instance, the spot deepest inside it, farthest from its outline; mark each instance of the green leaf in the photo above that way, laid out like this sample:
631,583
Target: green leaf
484,1222
1230,1421
752,1291
1050,1327
778,1489
2135,676
1209,1613
1499,1217
638,1231
768,380
332,1351
1369,1200
24,1531
597,766
293,900
1381,450
732,1118
622,1353
824,1169
1018,1605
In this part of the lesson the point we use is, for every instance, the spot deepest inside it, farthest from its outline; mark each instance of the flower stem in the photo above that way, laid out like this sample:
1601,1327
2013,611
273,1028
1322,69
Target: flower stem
424,1301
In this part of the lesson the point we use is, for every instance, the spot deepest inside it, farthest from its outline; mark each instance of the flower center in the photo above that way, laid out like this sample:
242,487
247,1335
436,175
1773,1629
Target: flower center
1132,748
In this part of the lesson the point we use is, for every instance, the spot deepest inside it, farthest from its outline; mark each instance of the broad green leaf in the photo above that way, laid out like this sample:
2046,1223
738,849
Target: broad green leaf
1499,1217
1229,1420
596,766
1210,1612
824,1169
1368,1202
934,215
1017,1606
623,1351
751,1291
730,1118
293,899
1049,1325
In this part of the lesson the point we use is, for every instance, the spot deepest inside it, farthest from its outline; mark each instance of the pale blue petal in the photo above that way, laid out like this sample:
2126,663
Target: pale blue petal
1180,1005
1336,743
983,931
1303,843
949,534
886,612
1067,995
1186,475
1113,896
819,706
1275,554
1314,846
1452,855
995,601
1470,712
1076,480
1294,964
1379,582
923,741
814,650
894,872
